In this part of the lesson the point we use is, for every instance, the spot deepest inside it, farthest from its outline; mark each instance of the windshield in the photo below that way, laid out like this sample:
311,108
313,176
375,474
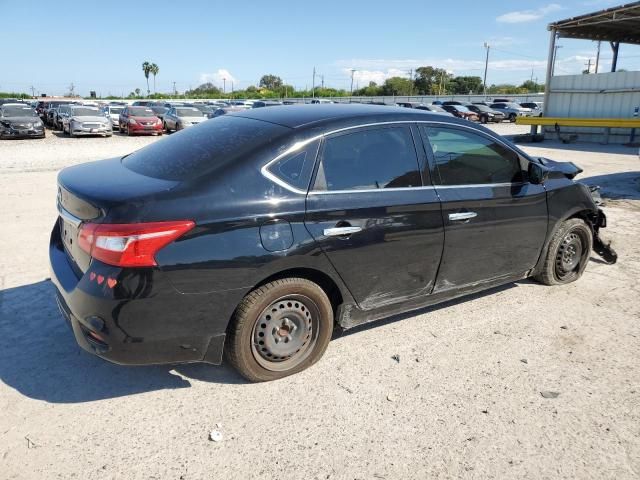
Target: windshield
85,112
482,108
17,112
436,108
141,112
461,108
198,151
116,109
159,109
189,112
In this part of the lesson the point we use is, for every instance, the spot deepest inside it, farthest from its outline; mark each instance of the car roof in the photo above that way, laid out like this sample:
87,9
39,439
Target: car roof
296,116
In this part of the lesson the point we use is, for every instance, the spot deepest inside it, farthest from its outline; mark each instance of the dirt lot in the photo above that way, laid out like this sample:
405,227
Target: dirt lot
464,401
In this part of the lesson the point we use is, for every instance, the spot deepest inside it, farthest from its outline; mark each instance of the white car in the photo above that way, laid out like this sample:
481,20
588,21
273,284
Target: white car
113,112
178,118
83,120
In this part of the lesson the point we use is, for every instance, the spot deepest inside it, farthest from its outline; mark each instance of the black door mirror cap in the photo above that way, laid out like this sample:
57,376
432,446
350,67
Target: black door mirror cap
537,173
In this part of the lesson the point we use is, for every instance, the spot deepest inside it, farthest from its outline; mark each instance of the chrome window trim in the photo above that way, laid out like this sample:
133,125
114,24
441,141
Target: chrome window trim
298,145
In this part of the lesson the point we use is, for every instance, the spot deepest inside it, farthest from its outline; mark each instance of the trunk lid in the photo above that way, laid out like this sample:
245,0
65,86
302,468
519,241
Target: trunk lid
88,191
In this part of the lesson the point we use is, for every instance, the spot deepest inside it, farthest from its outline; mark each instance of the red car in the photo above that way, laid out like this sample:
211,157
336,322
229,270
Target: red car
139,120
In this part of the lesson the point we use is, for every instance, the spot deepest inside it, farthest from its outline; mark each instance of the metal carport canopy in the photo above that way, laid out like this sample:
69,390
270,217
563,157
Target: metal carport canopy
616,24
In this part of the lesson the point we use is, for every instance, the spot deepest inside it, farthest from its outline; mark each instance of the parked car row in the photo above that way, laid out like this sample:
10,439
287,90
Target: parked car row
483,112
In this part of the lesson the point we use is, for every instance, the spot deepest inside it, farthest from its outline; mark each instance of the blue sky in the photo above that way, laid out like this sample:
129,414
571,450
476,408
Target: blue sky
101,46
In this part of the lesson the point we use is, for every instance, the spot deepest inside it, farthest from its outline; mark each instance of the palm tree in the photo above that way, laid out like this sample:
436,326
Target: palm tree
146,68
154,71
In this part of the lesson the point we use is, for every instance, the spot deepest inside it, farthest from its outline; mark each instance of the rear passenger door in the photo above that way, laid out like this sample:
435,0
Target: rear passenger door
495,220
368,210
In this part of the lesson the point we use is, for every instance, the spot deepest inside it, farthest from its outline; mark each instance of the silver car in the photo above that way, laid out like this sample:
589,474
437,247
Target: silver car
512,110
83,120
178,118
112,112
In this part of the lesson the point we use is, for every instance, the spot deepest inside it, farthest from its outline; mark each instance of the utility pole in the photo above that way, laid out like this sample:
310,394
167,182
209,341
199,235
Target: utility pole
352,72
224,85
33,91
532,74
598,57
322,81
72,90
588,64
411,85
175,92
486,66
313,84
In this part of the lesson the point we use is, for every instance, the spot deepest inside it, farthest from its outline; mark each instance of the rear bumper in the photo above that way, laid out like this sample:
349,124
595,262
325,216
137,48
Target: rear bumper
135,316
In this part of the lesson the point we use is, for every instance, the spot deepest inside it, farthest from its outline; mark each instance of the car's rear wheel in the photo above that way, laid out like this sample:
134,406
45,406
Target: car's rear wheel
568,253
280,328
484,119
512,117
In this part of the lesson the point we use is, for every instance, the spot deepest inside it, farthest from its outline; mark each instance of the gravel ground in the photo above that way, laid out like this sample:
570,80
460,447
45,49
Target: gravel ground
463,401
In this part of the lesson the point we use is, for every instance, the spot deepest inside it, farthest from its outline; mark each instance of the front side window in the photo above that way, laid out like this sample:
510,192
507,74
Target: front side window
376,158
463,157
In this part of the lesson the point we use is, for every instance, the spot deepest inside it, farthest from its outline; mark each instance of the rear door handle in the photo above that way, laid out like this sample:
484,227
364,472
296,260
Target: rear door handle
340,231
462,216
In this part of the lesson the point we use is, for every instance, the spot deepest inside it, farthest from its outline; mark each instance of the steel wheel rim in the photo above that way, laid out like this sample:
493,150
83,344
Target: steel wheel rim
285,333
570,255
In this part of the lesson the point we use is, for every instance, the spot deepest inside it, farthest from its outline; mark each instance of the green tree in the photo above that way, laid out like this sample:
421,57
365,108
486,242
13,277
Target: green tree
465,85
146,69
428,80
154,69
270,82
397,86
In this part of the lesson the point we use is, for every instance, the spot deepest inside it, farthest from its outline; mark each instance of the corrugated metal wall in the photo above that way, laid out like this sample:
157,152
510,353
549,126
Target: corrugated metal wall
602,95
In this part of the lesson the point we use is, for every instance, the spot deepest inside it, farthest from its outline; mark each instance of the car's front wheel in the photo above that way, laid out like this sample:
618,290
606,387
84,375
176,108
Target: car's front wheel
280,328
512,117
568,253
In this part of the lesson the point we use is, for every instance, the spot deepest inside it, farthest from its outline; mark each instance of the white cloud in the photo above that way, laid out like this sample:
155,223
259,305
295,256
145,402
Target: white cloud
218,78
522,16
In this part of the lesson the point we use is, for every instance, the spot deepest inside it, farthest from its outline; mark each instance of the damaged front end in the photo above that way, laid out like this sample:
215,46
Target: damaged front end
598,221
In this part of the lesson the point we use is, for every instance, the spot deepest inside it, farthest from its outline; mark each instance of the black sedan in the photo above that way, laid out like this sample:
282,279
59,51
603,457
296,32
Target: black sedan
20,121
258,232
486,114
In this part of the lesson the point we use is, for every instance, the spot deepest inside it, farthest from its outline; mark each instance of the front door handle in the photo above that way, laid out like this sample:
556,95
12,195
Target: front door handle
341,231
462,216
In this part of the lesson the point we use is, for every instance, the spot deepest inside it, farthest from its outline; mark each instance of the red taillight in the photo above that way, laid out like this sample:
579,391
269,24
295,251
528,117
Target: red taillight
130,244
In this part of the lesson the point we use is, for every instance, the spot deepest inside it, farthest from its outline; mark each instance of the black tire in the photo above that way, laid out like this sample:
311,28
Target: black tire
70,131
484,119
294,311
512,117
568,253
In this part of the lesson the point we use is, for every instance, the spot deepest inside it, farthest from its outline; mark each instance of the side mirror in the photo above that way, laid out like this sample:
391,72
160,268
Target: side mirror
537,173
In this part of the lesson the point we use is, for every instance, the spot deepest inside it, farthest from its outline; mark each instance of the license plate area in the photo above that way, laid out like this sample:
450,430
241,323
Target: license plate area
69,235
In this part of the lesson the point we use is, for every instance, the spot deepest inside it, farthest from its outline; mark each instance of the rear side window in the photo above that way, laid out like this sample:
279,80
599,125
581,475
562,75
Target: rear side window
463,157
374,158
203,148
296,168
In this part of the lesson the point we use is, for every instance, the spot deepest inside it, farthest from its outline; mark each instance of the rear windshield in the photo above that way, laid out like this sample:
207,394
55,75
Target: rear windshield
201,149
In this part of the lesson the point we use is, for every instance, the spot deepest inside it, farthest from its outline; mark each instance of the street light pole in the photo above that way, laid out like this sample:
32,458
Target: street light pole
486,66
313,84
224,85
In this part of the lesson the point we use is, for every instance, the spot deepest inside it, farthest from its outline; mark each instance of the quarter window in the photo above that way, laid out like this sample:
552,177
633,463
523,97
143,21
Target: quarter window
295,169
466,158
369,159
